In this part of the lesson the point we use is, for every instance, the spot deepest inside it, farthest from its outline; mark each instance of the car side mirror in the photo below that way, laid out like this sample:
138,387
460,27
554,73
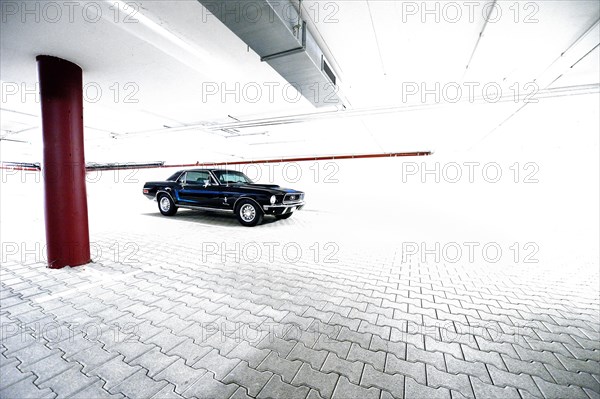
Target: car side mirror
207,183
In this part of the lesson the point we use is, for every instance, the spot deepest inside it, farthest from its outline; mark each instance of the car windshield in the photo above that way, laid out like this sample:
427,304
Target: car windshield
231,177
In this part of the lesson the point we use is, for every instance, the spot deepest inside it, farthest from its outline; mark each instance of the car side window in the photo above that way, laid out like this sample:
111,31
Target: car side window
200,177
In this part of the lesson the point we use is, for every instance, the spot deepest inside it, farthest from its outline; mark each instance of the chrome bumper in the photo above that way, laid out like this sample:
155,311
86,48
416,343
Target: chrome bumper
292,205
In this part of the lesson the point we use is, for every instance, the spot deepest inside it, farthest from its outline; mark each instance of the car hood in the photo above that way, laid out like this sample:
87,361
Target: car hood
272,188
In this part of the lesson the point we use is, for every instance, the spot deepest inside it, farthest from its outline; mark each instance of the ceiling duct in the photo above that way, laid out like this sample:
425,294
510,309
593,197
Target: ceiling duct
276,32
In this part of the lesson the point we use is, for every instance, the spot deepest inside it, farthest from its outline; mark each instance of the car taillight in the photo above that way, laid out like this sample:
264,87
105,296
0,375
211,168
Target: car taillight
146,191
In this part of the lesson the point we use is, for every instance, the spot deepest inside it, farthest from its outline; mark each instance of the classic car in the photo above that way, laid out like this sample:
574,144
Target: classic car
223,191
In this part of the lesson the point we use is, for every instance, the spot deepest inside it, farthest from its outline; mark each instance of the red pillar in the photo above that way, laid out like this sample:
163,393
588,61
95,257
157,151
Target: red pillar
61,93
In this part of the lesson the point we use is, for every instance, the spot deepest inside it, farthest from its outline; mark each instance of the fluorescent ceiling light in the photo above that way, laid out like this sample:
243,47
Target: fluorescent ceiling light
159,29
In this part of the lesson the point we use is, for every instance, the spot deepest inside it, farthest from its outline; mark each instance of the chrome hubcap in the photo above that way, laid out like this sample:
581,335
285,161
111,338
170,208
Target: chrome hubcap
165,205
247,212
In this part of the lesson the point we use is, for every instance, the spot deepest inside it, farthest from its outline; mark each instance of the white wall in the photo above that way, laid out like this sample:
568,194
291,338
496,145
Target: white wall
553,202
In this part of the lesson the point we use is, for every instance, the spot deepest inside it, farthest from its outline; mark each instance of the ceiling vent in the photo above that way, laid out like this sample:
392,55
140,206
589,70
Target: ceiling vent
275,31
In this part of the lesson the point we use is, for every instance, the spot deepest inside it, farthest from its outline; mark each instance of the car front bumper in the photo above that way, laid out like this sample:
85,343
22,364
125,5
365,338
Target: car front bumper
282,209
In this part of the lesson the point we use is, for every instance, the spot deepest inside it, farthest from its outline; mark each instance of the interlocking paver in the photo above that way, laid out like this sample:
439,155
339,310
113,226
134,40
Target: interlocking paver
180,375
554,346
532,368
346,390
308,355
323,316
69,382
11,373
276,344
92,357
476,369
383,331
154,361
168,392
130,347
302,322
165,340
581,379
415,390
474,355
189,351
457,382
587,343
376,359
451,348
594,394
274,314
322,382
97,392
25,388
225,339
48,367
396,348
347,322
411,336
388,382
285,368
552,390
208,387
519,381
248,378
576,365
415,370
314,394
362,339
114,372
252,355
240,393
33,353
329,344
351,370
363,322
584,354
276,388
435,359
485,390
218,365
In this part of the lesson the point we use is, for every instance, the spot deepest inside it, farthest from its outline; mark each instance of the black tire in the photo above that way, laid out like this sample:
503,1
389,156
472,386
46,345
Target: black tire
248,213
286,216
166,206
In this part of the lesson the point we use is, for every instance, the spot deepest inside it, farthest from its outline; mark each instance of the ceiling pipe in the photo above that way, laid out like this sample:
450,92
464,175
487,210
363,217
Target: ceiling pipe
362,112
510,97
307,158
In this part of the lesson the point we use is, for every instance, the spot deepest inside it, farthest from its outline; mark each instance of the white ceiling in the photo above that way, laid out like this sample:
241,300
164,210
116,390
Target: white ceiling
175,50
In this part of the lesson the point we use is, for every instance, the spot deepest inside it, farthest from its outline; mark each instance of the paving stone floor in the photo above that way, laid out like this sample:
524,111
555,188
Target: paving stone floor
197,306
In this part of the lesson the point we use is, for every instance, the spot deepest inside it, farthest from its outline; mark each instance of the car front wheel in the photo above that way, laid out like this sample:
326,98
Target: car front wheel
166,206
248,213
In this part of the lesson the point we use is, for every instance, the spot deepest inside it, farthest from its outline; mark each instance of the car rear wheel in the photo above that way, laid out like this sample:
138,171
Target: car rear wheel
286,216
248,213
166,206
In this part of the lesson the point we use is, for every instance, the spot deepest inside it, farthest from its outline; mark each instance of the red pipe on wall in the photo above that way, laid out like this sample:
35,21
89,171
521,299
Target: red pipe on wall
304,159
61,93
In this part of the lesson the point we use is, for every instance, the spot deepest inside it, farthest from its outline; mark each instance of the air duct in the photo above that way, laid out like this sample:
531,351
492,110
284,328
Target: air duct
276,32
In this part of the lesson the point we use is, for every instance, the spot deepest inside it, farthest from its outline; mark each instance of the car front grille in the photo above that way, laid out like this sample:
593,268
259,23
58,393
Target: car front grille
293,198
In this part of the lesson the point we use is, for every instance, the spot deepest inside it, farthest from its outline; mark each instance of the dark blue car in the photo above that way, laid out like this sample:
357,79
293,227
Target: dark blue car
223,191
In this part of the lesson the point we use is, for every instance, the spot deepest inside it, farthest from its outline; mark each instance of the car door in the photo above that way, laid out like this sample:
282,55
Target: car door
192,189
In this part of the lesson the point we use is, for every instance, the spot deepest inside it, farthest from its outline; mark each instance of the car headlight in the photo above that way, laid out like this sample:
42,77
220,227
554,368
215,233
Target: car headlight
273,199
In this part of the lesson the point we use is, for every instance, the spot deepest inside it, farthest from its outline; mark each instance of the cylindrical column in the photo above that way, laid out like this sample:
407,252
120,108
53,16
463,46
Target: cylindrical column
61,93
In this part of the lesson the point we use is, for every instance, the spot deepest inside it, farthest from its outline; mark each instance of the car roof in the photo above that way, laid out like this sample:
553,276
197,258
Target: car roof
208,169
